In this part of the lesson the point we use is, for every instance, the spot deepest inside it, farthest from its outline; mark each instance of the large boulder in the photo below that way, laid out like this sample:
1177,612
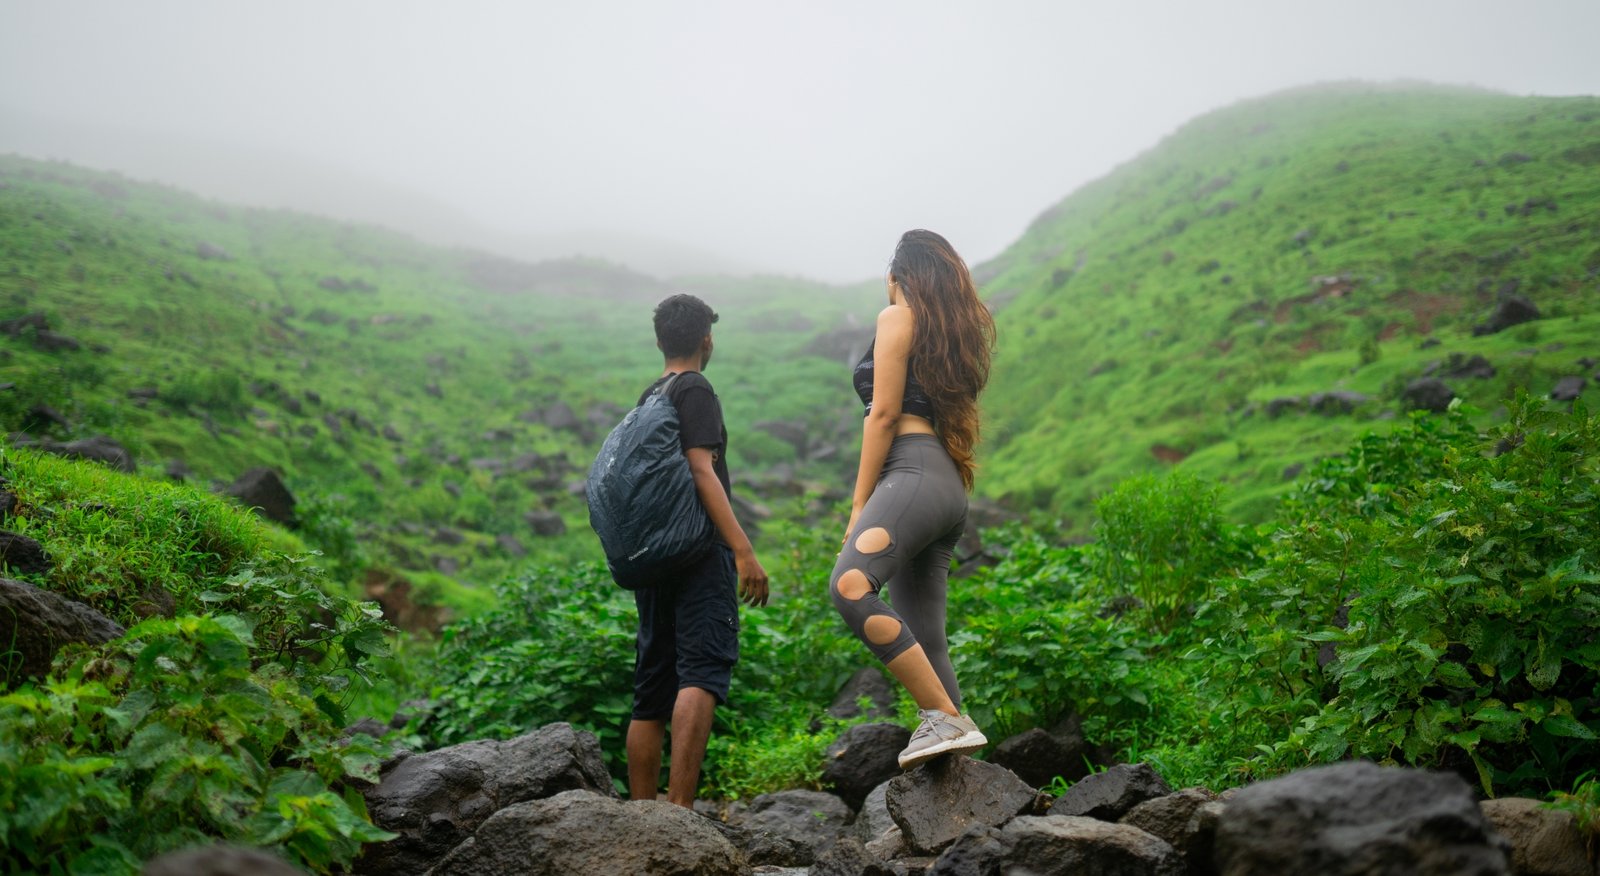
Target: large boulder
1544,842
872,818
1187,821
35,623
545,523
1359,818
438,799
23,555
1111,794
1059,845
219,860
583,832
1568,388
1427,394
96,449
1512,309
866,683
1336,401
934,803
1038,755
262,490
866,756
813,819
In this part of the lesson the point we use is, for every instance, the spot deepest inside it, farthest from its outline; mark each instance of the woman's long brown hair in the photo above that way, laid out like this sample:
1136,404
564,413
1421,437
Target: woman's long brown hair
953,339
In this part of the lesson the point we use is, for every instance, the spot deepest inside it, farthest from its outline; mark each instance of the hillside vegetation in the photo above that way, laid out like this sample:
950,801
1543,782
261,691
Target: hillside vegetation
1330,239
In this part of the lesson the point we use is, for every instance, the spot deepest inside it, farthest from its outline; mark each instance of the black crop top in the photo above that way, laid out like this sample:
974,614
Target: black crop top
916,400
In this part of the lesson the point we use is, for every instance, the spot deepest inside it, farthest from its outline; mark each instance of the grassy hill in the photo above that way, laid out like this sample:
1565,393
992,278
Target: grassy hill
420,402
1337,238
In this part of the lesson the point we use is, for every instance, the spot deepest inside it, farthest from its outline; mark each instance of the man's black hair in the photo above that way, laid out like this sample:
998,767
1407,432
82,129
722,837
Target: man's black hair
682,321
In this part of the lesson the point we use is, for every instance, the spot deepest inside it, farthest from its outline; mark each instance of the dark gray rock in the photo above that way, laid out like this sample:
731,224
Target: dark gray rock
868,682
1475,367
1111,794
8,505
1567,388
1427,394
263,491
1513,309
97,449
1178,820
581,832
510,546
51,342
1277,407
1359,818
866,756
872,818
849,858
1038,755
545,523
789,432
22,555
18,325
1544,842
762,848
936,802
560,416
438,799
210,251
1059,845
35,623
219,860
1338,401
813,819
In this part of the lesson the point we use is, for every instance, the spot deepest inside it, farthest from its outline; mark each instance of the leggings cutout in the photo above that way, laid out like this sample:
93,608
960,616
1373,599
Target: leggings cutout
920,499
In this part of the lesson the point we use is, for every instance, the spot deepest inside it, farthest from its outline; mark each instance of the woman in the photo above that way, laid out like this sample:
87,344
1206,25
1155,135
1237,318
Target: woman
920,381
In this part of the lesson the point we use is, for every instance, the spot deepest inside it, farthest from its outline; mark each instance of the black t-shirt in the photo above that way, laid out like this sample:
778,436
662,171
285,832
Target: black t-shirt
699,419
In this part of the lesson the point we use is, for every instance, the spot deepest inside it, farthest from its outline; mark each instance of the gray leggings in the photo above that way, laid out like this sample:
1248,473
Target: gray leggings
903,540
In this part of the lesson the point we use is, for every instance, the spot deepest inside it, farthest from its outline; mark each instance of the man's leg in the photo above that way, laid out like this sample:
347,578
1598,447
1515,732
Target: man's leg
691,729
644,758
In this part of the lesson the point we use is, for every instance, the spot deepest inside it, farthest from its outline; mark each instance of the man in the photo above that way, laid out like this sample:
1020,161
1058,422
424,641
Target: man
689,625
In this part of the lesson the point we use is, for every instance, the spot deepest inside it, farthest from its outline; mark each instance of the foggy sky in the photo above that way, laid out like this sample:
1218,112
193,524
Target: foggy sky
792,137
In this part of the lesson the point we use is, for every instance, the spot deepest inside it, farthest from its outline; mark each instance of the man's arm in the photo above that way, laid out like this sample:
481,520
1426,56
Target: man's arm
752,578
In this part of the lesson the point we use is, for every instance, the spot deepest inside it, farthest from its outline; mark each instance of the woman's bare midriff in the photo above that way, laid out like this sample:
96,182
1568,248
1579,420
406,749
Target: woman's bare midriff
911,424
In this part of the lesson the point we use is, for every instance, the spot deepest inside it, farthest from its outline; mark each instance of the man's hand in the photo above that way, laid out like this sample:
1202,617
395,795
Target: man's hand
752,578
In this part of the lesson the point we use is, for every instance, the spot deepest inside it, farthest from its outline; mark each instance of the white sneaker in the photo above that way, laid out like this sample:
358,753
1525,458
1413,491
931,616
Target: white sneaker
941,734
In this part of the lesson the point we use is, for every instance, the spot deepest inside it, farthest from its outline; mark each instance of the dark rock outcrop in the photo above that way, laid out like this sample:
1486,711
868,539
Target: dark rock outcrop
1187,821
1111,794
934,803
1038,755
23,555
583,832
1059,845
1544,842
1475,367
96,449
863,758
262,490
437,800
1427,394
35,623
867,682
219,860
813,819
1513,309
1338,401
1568,388
1359,818
545,523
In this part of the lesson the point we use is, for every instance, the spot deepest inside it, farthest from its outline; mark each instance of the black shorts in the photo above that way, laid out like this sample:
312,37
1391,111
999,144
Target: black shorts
688,635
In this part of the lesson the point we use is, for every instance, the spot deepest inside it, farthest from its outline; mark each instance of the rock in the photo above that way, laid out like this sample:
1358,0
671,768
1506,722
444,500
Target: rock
433,390
17,325
35,623
1338,401
1427,394
263,491
1177,820
560,416
867,682
8,505
447,536
1567,389
219,860
23,555
210,251
96,449
872,817
761,848
1111,794
510,546
1037,756
582,832
1476,367
392,434
1278,406
1513,309
934,803
849,858
813,819
369,726
546,523
865,757
1544,842
437,800
50,342
42,417
789,432
1358,818
1060,845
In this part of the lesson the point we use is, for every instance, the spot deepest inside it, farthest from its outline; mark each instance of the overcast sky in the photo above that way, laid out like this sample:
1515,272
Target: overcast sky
782,137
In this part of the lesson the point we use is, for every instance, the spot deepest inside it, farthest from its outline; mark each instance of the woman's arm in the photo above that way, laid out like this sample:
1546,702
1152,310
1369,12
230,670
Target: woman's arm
892,351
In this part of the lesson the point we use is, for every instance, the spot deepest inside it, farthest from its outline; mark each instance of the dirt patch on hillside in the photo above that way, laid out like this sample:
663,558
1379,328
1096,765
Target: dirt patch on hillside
1426,307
